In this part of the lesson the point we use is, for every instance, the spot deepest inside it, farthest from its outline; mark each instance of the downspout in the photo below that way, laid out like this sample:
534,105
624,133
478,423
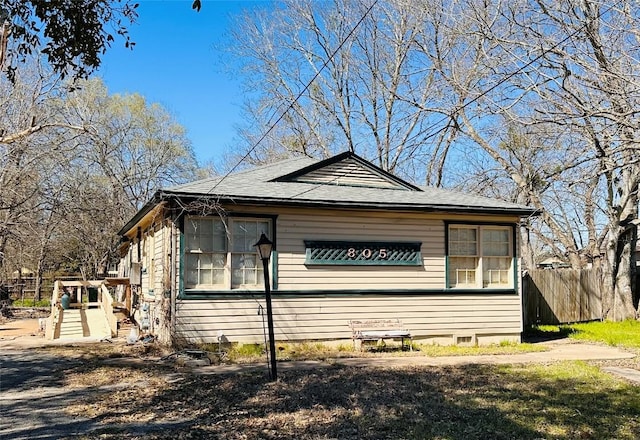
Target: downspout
140,252
174,290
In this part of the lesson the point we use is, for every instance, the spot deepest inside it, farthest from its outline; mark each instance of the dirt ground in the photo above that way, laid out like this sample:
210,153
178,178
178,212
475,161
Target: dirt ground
23,322
111,391
20,327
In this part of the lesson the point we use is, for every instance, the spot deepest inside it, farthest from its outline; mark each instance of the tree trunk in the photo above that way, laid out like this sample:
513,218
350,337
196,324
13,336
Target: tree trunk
618,274
526,248
619,271
38,282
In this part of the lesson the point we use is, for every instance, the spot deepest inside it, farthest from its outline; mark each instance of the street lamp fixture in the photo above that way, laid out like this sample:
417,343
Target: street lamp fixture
264,247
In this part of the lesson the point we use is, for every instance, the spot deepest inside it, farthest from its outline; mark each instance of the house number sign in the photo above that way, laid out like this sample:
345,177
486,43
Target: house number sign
369,253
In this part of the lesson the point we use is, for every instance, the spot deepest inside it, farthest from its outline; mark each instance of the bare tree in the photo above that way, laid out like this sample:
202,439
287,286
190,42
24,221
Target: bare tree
135,145
26,148
597,91
566,74
78,165
535,98
127,151
358,61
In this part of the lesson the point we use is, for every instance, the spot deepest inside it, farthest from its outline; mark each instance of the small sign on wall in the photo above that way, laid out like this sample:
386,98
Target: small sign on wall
135,273
363,253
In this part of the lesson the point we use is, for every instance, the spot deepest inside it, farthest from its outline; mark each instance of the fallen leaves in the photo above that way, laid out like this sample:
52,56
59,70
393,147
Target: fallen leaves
154,400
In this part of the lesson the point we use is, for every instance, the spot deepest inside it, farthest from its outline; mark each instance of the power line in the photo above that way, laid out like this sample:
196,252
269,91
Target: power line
297,98
516,72
490,89
425,137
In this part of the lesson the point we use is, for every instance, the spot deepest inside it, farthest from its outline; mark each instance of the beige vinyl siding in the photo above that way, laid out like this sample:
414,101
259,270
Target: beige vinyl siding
159,255
346,172
154,246
296,319
153,259
430,317
292,230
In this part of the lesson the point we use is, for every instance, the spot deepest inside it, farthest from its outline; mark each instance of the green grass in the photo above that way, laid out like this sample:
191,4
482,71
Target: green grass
30,302
250,353
617,334
563,400
460,350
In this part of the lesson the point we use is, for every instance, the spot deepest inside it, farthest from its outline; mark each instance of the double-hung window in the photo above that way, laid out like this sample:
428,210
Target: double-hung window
480,256
220,254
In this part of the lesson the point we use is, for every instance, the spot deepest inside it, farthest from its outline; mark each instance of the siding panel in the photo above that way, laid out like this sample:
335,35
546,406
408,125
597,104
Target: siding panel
294,229
298,319
346,172
310,316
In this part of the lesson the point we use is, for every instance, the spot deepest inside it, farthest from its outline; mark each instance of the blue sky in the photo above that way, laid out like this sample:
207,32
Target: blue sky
176,64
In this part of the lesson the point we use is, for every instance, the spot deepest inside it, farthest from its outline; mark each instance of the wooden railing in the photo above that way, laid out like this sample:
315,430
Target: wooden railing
79,291
107,306
55,320
104,302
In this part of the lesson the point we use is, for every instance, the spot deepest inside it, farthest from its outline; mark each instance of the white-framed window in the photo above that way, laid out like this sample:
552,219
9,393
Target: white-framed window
480,256
220,254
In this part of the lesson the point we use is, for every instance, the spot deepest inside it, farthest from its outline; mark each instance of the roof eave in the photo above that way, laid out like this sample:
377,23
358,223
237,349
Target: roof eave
157,198
255,201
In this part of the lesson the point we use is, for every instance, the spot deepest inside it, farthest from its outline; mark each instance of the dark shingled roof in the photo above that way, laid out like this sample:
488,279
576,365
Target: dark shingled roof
264,186
258,185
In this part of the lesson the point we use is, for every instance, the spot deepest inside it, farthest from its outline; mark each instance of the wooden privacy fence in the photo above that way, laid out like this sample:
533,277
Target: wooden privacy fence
557,296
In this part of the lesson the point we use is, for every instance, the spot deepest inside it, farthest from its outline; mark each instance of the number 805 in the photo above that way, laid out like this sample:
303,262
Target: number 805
366,253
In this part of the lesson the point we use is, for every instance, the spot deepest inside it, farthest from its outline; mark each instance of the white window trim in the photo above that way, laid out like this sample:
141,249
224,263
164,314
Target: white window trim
227,283
479,278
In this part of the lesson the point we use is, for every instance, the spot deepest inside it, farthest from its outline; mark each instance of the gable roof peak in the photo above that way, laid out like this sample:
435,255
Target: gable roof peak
347,169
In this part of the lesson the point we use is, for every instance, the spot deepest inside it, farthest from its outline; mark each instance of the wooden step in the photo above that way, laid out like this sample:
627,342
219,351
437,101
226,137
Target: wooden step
86,323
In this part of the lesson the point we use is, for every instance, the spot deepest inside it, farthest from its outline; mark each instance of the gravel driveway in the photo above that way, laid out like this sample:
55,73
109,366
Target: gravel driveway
33,397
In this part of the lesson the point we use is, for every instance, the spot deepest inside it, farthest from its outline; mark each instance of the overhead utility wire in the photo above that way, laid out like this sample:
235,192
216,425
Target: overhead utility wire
508,77
484,93
273,125
435,124
290,106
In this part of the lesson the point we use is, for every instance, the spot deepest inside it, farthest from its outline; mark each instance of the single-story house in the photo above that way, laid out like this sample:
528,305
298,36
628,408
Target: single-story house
552,262
351,242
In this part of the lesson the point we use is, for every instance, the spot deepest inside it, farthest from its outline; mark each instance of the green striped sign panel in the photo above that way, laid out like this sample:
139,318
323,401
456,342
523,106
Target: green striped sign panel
367,253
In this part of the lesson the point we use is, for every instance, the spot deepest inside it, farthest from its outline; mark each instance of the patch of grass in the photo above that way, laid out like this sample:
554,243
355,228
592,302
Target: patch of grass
251,353
319,351
243,353
617,334
461,350
313,351
563,399
30,302
234,352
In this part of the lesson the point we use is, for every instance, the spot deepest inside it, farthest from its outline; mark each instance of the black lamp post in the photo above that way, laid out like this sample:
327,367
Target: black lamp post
264,247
